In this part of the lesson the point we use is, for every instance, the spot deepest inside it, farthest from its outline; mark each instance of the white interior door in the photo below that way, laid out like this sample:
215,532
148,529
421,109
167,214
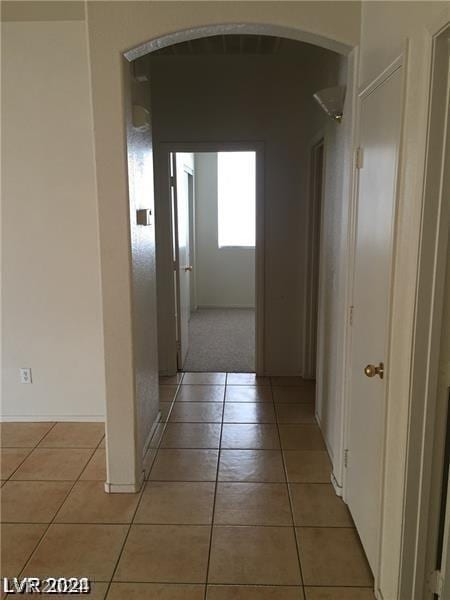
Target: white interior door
380,118
181,173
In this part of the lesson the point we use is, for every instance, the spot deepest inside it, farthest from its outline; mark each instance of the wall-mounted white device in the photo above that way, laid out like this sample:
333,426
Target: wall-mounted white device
141,118
331,100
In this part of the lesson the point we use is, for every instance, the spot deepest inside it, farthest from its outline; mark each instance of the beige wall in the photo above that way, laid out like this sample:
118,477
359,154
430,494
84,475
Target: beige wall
51,296
143,290
333,273
225,277
226,99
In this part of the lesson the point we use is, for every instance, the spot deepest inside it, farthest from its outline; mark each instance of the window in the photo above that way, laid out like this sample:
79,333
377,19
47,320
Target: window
236,181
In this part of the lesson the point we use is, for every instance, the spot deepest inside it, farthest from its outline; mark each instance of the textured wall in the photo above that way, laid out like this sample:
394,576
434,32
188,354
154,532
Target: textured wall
143,291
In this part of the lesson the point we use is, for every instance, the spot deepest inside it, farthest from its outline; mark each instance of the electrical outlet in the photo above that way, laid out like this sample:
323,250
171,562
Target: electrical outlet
25,375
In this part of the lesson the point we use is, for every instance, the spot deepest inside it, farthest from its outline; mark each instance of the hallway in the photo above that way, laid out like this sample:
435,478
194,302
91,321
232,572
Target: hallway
237,502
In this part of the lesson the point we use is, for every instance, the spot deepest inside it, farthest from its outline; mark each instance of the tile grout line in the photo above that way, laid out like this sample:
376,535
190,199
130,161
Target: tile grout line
44,533
19,465
130,525
248,585
208,563
144,523
290,506
141,493
145,483
32,449
172,403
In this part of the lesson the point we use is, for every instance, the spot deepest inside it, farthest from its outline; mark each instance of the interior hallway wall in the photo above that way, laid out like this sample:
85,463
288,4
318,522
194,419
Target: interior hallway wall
143,292
333,273
227,99
225,277
51,296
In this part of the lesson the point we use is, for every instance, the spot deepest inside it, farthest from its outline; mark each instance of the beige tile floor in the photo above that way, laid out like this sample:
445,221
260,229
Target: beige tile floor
237,504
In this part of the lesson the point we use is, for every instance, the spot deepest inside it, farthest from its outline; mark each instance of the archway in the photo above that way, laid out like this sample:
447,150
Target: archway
125,405
133,137
234,29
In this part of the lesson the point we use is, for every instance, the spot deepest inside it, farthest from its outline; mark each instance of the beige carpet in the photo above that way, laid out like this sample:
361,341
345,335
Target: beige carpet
221,340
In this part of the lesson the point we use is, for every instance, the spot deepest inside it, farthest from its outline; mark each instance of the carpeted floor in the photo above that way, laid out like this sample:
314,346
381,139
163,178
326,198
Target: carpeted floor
221,340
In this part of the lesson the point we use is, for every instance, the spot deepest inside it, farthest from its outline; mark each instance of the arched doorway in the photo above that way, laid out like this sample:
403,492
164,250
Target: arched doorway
125,404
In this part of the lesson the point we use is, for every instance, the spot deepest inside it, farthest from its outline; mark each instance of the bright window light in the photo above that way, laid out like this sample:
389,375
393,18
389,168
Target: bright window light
236,180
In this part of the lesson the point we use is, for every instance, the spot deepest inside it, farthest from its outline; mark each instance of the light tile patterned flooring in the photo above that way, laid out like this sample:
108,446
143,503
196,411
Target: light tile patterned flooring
237,503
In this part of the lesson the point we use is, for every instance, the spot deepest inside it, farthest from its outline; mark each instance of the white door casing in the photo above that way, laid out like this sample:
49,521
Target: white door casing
380,113
316,187
165,223
183,265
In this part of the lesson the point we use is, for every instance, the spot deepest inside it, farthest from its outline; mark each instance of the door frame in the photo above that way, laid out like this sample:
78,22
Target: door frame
409,438
426,434
311,352
176,254
163,221
360,94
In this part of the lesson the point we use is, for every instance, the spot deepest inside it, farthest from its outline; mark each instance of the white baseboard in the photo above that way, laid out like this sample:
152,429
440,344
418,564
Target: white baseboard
329,450
378,594
46,418
336,486
132,488
151,432
206,306
125,488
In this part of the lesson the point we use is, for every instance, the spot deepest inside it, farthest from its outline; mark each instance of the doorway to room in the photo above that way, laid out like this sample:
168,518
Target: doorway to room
213,202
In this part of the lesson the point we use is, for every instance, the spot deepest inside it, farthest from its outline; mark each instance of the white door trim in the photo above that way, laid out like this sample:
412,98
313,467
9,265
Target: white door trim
363,92
406,414
173,192
349,195
163,236
425,433
312,246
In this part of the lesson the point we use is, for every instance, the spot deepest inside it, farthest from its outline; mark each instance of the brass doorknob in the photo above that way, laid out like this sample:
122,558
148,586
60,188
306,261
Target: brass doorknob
188,268
372,370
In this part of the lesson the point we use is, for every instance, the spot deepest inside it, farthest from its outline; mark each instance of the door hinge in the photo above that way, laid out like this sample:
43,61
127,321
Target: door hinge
346,458
435,583
359,158
174,264
172,181
350,316
178,345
